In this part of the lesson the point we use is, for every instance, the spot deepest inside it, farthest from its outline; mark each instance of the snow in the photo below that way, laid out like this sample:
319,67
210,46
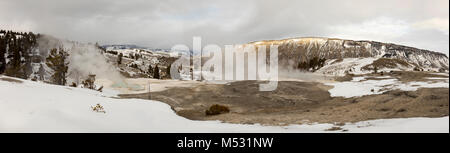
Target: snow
142,85
51,108
340,68
359,86
416,125
145,52
432,78
413,86
383,77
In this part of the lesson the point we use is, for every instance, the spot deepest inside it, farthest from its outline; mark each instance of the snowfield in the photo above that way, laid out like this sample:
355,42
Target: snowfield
27,106
359,86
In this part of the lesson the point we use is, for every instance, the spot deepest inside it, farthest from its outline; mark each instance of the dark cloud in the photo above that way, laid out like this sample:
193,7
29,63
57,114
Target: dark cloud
164,23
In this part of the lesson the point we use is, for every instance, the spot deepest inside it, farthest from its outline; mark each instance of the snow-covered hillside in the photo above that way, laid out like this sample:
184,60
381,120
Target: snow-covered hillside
304,49
347,65
358,66
136,62
27,106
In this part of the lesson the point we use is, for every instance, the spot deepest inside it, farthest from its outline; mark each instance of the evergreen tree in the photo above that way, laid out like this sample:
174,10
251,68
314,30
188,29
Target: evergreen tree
119,59
27,68
2,54
41,72
156,72
57,61
150,70
17,46
14,66
168,71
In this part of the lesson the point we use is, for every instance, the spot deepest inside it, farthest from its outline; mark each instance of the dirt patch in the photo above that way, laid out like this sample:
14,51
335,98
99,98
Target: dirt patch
408,76
11,80
347,77
298,103
403,76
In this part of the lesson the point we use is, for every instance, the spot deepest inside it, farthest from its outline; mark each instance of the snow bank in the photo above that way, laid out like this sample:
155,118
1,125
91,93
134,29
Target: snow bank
359,86
36,107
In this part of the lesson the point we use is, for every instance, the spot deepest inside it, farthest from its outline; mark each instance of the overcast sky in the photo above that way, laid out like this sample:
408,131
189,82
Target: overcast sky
164,23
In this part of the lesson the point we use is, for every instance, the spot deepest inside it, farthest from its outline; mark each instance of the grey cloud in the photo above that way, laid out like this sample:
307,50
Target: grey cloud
164,23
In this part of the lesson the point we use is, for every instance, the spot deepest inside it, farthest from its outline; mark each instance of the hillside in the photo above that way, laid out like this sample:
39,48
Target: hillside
298,52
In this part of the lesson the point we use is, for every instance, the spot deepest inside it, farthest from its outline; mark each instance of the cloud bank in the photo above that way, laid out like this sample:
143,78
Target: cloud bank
164,23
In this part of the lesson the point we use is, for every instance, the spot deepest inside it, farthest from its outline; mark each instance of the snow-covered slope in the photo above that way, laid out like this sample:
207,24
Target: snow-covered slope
303,49
348,65
136,61
341,67
27,106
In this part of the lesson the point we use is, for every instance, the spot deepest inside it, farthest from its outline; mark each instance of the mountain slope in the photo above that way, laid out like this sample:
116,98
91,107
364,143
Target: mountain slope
292,52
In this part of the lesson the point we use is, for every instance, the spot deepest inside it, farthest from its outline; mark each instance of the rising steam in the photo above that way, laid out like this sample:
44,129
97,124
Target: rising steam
84,59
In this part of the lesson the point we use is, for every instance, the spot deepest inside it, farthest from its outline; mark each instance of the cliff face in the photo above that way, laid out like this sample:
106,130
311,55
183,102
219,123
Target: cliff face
297,50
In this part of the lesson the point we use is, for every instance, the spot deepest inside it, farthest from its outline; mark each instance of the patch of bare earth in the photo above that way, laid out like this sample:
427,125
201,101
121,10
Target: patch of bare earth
298,103
386,63
403,76
408,76
11,80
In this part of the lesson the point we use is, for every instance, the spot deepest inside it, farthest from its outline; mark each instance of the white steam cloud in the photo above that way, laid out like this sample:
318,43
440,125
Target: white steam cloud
84,59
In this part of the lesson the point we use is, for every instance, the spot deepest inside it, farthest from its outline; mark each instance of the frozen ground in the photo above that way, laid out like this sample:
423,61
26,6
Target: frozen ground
27,106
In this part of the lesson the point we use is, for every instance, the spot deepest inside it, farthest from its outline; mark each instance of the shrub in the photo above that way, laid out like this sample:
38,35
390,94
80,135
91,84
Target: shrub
401,110
98,108
217,109
73,84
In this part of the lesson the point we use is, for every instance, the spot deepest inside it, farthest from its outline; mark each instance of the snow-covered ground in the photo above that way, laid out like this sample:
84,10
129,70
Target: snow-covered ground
143,85
360,86
340,68
354,66
37,107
